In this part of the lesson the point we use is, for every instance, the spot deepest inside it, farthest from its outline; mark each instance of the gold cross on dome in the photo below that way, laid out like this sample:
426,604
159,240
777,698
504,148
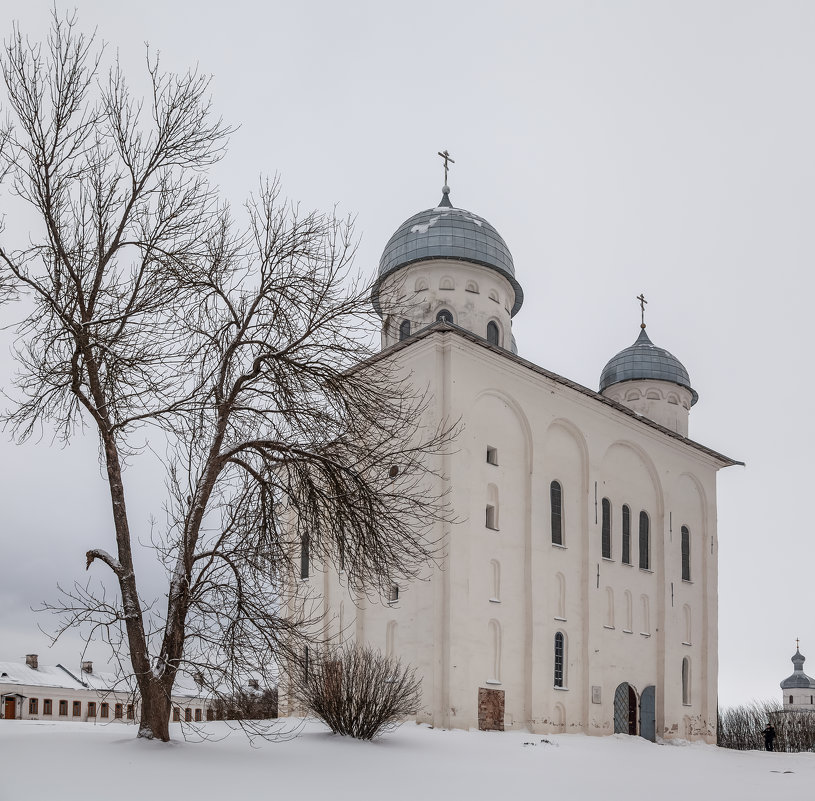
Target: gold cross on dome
446,156
643,301
797,648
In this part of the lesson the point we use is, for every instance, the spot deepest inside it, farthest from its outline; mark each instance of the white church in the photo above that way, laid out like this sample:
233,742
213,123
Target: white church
580,592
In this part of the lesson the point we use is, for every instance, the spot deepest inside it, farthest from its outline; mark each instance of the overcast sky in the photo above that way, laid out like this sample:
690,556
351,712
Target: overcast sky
618,147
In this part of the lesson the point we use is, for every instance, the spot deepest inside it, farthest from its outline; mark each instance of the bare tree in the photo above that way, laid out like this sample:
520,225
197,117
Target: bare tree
355,689
243,351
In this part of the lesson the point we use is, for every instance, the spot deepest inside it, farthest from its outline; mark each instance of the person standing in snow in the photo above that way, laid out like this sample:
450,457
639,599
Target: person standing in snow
769,736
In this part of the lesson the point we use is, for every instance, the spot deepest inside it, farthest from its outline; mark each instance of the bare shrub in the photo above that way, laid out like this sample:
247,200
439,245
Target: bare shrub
247,704
356,690
740,727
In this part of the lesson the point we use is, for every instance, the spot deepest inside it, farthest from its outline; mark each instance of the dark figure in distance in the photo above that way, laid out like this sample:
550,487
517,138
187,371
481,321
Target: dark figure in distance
769,737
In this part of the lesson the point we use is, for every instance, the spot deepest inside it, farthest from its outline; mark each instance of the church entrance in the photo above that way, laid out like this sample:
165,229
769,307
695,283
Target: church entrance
10,710
648,721
490,709
625,709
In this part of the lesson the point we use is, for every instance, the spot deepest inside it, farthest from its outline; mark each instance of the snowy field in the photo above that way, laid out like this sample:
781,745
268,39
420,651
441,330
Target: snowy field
68,761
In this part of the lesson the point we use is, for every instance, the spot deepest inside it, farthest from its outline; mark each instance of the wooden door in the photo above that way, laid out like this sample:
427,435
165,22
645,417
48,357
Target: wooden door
10,709
490,709
648,724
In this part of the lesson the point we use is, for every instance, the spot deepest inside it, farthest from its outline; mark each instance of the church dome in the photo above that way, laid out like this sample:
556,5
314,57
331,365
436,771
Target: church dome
645,361
446,232
799,679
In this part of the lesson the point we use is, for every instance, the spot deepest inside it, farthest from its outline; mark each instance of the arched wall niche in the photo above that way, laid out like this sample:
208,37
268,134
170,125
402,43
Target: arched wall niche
565,431
495,650
489,413
632,478
560,596
689,502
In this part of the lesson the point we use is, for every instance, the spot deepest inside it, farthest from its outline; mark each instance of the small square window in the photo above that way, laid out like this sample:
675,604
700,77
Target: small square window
492,455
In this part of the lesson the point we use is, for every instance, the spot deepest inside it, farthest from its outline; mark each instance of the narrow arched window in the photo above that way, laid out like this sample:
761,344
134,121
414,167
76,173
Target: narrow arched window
404,330
556,499
606,528
685,553
686,681
445,315
304,557
493,334
645,541
626,535
559,658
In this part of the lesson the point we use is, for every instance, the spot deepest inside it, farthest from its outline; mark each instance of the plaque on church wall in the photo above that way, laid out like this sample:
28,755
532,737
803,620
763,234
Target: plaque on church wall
596,695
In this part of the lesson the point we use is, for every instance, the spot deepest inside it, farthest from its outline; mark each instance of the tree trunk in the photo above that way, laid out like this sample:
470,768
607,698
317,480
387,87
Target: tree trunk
156,705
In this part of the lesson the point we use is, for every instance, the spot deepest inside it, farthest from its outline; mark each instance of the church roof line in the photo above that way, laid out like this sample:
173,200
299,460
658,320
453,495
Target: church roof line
442,326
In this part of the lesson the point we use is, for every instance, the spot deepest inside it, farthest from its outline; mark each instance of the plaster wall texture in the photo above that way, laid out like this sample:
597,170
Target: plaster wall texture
474,295
489,614
661,401
803,699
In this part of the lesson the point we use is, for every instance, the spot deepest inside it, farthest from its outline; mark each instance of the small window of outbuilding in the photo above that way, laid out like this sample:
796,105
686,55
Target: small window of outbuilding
63,707
77,709
104,710
118,711
47,706
33,703
176,714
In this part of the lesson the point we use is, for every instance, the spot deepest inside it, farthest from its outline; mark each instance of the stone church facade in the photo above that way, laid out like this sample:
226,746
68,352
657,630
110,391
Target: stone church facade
579,594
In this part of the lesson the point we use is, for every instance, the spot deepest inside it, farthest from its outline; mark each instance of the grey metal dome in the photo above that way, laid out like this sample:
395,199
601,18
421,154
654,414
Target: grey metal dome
445,232
799,679
644,360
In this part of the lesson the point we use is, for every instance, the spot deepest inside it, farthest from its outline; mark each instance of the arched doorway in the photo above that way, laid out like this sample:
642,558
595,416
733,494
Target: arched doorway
648,723
625,709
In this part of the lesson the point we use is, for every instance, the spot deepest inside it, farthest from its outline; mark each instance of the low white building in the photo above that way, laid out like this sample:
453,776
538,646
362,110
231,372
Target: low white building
30,691
580,592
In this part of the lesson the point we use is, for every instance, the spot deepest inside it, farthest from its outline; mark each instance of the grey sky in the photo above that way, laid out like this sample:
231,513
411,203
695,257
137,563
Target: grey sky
618,147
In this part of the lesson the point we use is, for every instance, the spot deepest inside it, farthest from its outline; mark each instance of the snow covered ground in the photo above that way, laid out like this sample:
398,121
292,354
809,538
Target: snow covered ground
82,761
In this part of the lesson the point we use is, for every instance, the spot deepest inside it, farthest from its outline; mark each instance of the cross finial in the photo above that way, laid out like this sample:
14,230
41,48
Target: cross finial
446,156
797,647
643,301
